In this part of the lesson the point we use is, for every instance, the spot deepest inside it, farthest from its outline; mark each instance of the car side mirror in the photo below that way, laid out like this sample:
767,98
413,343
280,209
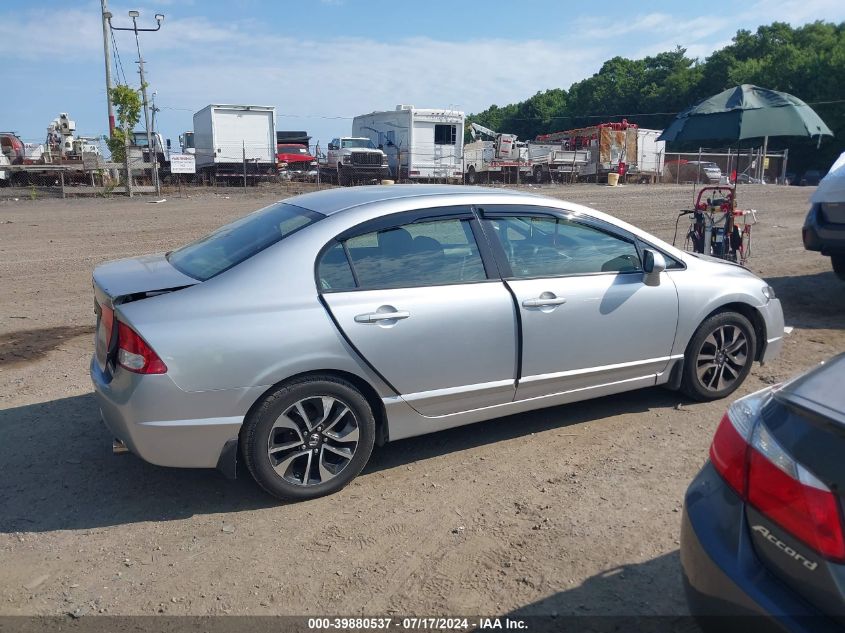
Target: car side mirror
653,264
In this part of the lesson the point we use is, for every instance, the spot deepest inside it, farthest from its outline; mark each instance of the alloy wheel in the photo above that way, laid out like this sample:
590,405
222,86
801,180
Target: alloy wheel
313,440
722,358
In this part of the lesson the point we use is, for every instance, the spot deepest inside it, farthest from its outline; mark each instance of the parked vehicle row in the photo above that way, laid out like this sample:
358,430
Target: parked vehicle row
408,144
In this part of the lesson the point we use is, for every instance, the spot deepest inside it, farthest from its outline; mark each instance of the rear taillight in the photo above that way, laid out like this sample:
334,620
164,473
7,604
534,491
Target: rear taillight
134,354
751,461
792,497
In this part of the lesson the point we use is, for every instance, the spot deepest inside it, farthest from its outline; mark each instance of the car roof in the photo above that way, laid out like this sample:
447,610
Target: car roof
331,201
819,390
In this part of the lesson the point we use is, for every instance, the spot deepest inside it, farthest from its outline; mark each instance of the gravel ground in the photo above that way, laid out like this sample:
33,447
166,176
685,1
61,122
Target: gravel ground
568,510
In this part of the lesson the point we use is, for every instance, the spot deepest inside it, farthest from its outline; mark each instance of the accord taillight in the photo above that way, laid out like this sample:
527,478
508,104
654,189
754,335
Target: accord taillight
751,461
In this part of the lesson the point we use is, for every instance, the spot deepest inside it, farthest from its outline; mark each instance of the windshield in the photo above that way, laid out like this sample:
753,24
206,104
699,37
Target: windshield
291,149
234,243
364,143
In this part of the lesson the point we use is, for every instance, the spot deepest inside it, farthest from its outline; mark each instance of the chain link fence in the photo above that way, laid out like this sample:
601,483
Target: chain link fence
92,175
712,166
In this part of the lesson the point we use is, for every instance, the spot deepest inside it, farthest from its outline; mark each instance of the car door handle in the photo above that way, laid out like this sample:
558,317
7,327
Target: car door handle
375,317
540,302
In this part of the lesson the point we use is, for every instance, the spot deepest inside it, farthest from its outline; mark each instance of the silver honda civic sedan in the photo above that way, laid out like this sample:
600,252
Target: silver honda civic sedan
303,334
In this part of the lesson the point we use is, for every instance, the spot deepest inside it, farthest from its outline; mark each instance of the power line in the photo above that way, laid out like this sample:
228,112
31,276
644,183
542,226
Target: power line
117,56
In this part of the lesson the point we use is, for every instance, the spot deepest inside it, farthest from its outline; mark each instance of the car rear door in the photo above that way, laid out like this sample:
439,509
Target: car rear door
421,303
587,317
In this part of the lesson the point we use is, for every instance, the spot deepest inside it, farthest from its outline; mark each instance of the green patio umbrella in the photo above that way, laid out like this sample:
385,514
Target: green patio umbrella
743,112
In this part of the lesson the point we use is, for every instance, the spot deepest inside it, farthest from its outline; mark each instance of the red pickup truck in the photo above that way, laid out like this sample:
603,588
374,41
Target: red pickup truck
294,162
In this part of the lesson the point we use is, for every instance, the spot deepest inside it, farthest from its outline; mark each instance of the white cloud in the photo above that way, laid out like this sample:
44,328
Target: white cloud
192,62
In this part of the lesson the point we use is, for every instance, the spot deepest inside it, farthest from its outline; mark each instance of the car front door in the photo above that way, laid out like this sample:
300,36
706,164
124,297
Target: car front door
415,299
588,319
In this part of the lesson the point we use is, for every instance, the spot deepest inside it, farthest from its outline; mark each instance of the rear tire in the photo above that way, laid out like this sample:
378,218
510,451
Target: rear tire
838,262
309,438
719,357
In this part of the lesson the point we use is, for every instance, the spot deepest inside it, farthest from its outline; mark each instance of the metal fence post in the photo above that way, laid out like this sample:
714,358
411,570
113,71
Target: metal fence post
126,163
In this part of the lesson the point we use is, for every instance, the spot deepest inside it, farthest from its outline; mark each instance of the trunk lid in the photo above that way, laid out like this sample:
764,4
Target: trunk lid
139,275
126,280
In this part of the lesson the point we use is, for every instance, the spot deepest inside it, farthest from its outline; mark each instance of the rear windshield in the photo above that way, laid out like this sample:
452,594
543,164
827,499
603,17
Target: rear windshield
234,243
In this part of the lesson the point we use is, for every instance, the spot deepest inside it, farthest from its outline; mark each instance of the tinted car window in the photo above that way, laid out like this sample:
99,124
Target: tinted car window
547,247
334,270
421,254
234,243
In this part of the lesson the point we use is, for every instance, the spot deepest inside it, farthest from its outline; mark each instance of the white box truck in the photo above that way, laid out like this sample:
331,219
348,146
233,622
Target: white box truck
235,142
651,155
420,143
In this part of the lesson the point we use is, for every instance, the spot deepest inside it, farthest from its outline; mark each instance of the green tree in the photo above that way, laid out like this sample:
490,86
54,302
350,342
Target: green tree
806,61
127,103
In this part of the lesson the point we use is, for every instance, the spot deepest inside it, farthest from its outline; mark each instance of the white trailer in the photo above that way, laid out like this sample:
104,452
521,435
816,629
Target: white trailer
234,142
651,155
420,143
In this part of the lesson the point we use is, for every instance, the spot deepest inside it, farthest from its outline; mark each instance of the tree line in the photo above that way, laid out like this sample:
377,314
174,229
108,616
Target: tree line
807,61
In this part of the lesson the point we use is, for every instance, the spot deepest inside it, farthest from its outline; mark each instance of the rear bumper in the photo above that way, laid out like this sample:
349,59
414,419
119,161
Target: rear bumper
726,584
164,425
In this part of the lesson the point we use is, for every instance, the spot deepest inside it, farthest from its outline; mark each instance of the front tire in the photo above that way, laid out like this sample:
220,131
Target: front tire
838,262
719,357
309,438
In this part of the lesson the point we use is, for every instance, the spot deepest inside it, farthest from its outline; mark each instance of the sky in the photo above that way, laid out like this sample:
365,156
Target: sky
321,62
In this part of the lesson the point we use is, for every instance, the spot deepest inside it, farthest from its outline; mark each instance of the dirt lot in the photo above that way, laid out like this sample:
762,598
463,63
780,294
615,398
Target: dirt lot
569,510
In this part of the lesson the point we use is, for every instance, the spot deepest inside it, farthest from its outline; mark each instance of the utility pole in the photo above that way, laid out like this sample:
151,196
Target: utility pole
150,149
106,17
153,155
